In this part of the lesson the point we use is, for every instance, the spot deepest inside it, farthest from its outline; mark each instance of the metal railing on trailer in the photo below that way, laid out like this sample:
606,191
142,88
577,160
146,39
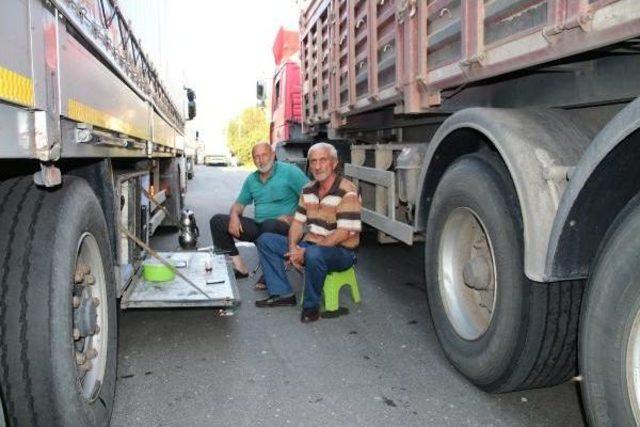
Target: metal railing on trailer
111,36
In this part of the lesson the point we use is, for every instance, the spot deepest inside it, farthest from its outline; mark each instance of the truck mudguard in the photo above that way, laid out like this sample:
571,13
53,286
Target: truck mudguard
605,179
538,146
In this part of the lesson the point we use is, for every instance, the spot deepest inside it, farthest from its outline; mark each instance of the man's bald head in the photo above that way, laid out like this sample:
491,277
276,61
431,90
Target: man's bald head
261,147
263,157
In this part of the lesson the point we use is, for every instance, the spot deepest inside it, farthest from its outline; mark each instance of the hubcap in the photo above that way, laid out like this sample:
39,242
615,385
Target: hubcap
633,367
90,327
467,274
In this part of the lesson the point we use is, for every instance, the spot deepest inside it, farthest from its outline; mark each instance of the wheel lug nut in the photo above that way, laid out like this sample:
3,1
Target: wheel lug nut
80,358
81,271
89,279
96,301
76,302
92,353
76,334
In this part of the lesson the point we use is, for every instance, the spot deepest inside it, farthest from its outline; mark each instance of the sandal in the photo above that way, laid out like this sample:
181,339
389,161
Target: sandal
260,284
239,274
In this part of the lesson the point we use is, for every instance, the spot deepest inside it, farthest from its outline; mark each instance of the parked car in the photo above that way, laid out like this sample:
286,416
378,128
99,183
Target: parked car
220,159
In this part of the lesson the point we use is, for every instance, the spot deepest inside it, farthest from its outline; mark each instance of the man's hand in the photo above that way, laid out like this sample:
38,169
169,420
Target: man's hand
235,226
295,257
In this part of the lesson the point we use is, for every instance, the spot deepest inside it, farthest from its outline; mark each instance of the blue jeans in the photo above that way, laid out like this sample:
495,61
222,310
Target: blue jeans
318,261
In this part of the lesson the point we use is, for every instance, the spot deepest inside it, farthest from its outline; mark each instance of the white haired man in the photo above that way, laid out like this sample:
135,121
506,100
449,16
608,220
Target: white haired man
274,190
331,207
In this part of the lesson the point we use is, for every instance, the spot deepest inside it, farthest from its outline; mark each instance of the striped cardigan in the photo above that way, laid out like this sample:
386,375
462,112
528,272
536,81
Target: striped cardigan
339,208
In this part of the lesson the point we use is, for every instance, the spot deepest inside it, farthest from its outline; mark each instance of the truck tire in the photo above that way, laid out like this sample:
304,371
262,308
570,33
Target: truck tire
610,326
3,420
57,305
499,329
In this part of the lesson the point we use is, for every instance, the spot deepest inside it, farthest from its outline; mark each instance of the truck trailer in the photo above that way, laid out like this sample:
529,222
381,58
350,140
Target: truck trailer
92,161
505,135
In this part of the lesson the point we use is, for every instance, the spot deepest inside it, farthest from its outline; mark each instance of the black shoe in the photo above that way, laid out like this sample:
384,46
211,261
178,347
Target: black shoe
335,313
309,315
240,275
276,301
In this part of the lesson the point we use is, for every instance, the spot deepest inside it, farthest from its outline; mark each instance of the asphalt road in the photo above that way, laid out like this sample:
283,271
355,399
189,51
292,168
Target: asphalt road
380,365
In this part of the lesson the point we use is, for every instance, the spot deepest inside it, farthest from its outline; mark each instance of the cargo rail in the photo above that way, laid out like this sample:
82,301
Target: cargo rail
361,55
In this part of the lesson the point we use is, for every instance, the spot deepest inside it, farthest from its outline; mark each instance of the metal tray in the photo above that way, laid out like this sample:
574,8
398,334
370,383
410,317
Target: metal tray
219,284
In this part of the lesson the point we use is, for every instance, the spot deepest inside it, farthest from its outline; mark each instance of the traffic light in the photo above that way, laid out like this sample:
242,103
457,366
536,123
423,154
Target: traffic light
191,106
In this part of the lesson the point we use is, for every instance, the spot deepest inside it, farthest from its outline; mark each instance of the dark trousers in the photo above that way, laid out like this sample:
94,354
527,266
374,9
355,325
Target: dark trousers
251,230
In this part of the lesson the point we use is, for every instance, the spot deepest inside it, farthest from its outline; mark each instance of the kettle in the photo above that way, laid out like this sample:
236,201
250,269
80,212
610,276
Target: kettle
189,231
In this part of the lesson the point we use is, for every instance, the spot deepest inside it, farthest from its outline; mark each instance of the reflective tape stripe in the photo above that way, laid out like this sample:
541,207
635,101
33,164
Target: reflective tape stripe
16,88
85,114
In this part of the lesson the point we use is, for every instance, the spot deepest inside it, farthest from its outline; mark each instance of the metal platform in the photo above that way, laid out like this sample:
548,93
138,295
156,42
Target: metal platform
219,284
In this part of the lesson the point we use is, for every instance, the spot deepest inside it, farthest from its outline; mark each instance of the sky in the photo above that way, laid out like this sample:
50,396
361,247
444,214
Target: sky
221,48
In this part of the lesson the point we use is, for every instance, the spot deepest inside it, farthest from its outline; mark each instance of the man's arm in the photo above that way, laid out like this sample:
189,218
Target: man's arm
235,226
296,254
237,209
244,198
296,231
295,234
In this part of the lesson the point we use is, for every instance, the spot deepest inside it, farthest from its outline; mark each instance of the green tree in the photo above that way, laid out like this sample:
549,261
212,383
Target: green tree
245,130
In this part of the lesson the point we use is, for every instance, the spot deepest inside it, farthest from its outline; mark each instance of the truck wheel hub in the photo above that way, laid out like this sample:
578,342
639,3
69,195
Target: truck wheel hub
86,315
477,273
90,318
467,273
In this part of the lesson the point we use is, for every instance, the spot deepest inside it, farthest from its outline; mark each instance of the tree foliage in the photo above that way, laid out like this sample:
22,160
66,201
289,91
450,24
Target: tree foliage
245,130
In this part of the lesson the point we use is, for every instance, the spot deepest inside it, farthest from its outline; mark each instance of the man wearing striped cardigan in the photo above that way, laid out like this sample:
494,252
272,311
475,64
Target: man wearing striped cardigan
330,206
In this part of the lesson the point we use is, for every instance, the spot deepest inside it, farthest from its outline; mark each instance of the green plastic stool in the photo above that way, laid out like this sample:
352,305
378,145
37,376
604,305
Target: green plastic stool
332,284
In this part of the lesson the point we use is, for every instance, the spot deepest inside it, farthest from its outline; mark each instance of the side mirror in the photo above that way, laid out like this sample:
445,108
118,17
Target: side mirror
191,106
191,94
260,95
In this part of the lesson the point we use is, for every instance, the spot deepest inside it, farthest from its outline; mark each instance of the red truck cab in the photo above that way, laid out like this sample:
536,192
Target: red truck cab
286,103
286,98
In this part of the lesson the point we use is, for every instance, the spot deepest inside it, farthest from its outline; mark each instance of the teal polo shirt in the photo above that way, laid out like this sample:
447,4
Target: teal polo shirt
278,195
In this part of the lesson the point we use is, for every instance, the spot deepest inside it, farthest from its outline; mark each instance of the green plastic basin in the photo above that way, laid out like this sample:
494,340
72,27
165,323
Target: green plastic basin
154,272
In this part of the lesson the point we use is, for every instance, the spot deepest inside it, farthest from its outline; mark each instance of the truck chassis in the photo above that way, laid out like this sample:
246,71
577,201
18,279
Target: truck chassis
502,134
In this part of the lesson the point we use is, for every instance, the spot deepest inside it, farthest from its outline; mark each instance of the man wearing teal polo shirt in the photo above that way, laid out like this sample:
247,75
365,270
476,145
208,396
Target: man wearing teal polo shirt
274,190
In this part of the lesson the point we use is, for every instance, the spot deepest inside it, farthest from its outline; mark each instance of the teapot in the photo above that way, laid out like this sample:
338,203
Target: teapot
189,231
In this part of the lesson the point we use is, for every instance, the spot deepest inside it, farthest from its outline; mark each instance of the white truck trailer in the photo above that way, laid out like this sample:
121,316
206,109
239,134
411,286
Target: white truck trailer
87,127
